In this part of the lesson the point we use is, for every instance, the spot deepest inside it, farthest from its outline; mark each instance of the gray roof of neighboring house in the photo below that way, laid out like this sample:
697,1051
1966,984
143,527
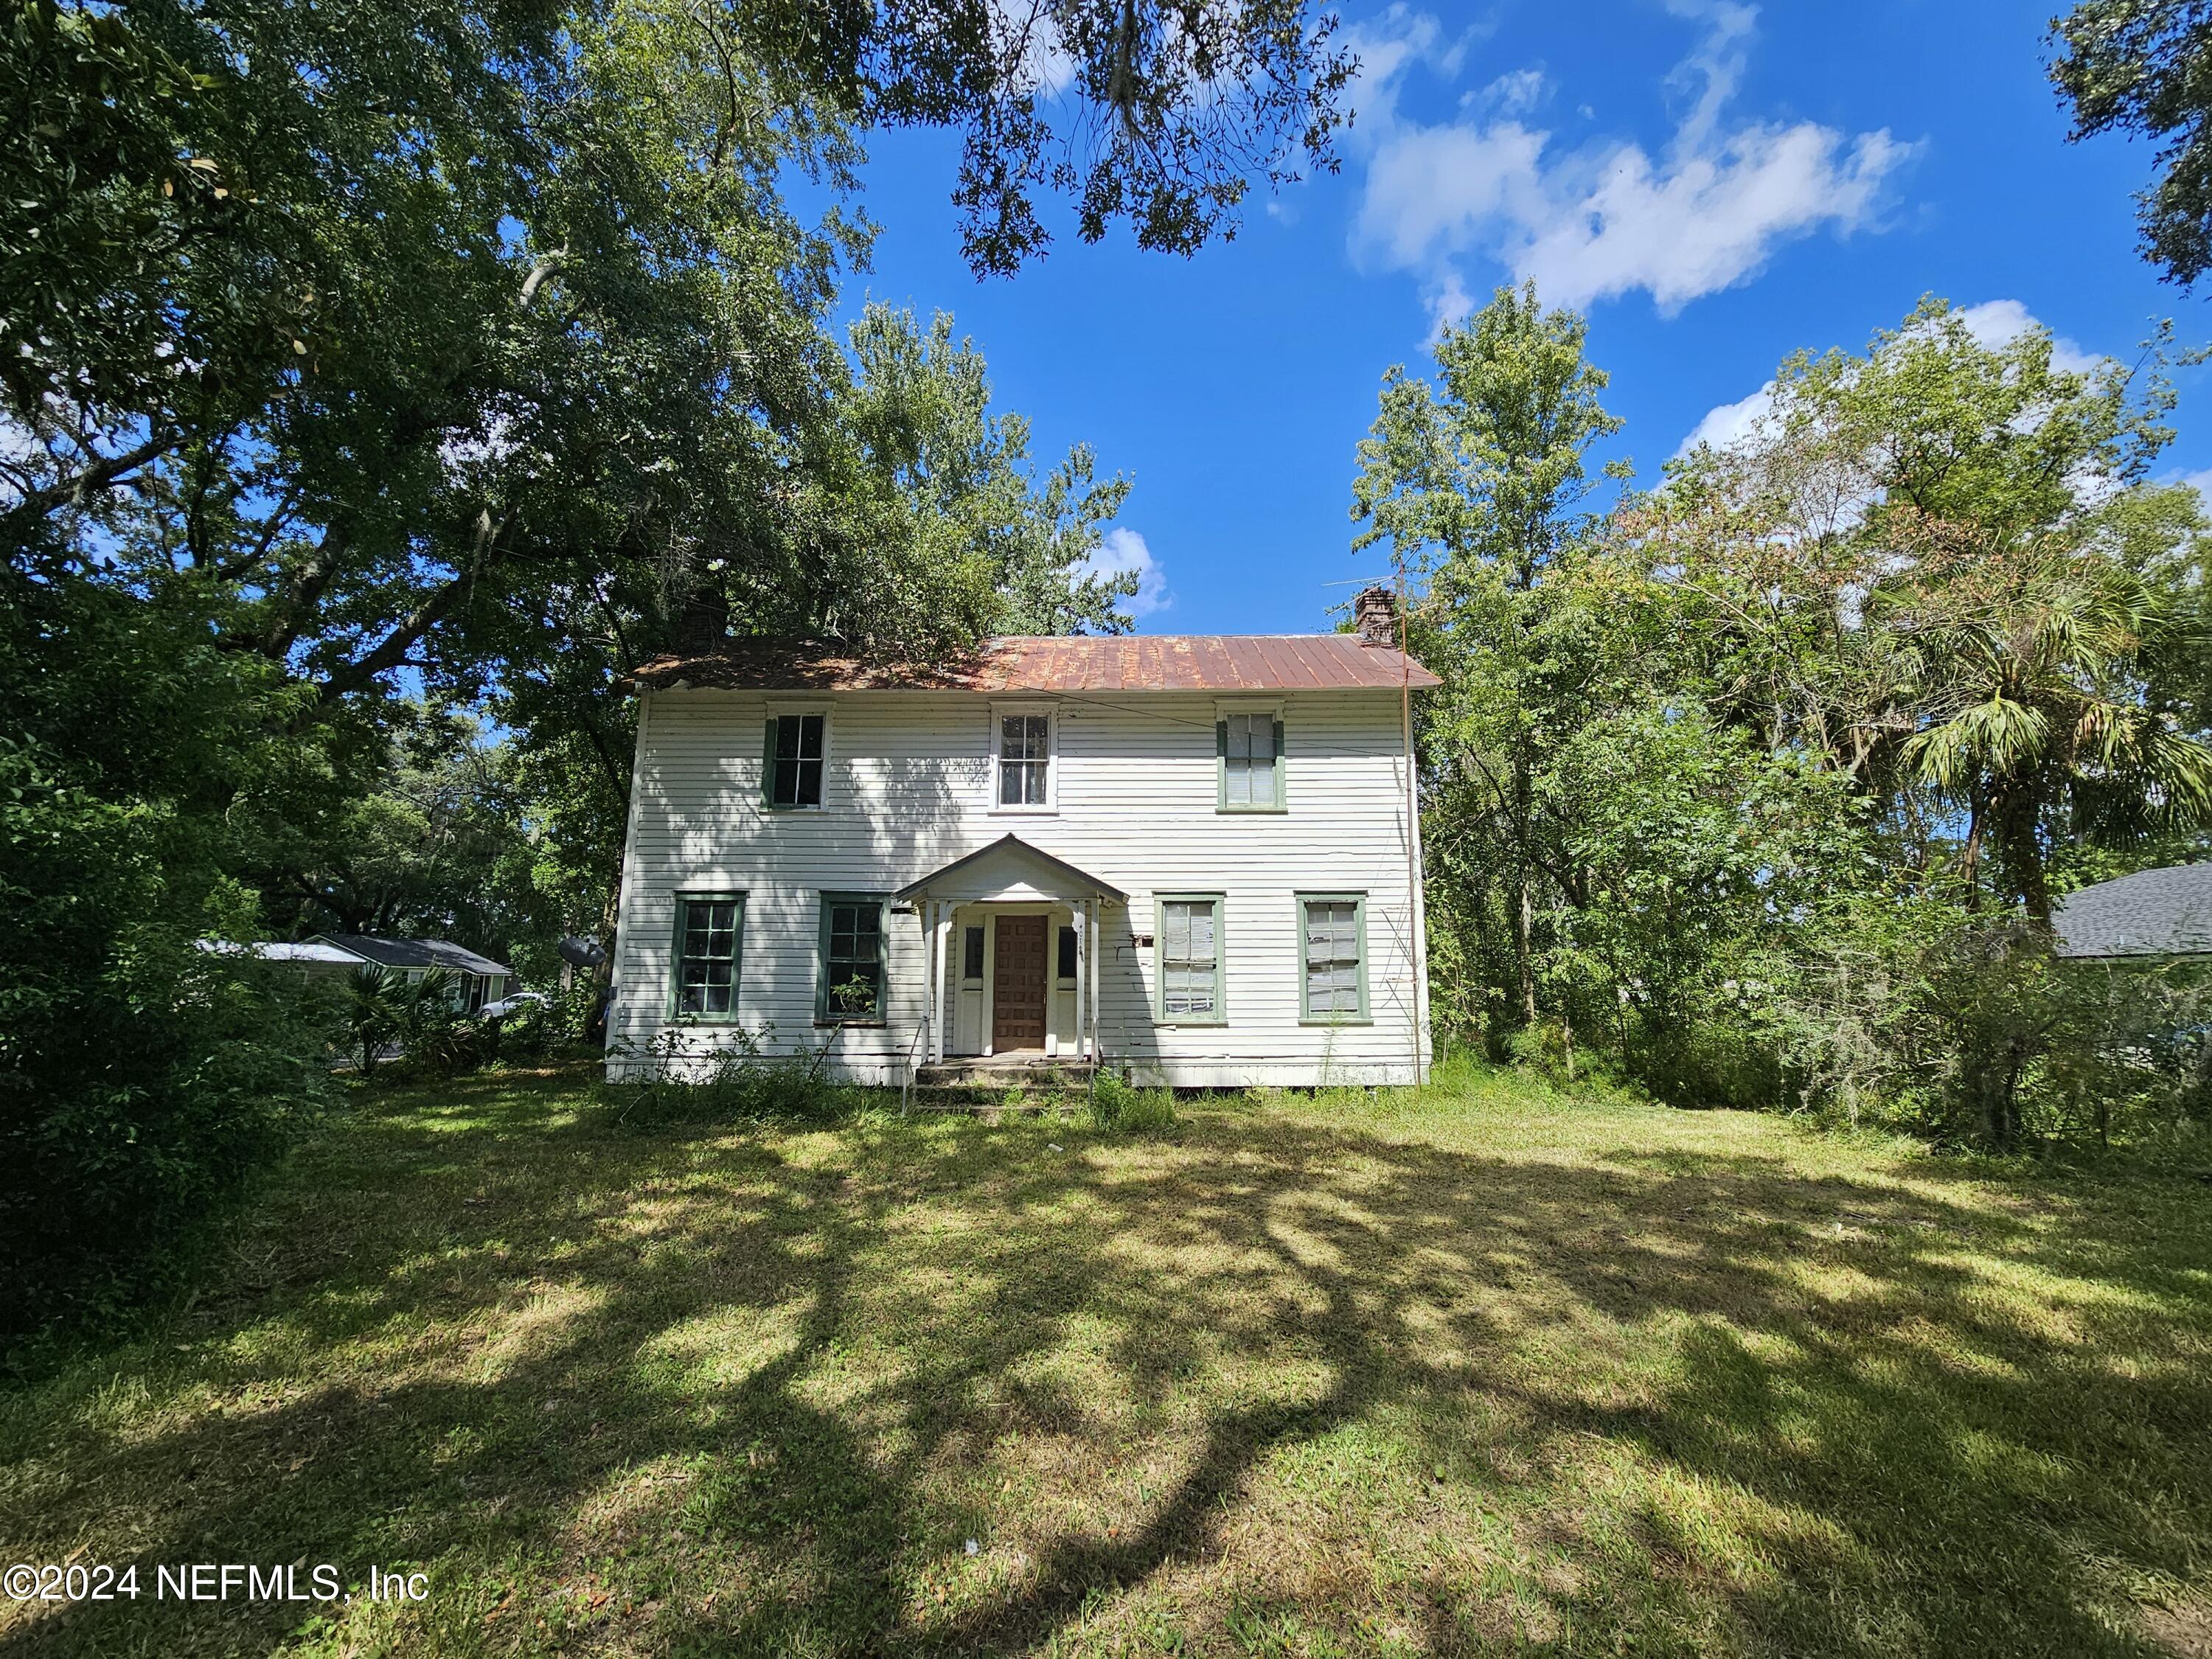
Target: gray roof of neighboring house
280,950
2153,913
416,953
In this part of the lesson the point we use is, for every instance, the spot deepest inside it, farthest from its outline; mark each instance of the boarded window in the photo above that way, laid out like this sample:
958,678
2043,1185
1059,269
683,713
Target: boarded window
1190,958
794,760
1024,754
1334,957
706,956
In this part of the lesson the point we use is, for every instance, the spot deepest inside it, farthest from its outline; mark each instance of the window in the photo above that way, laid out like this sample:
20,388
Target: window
1066,966
1024,760
1333,988
1190,959
1250,745
851,985
708,925
791,776
971,953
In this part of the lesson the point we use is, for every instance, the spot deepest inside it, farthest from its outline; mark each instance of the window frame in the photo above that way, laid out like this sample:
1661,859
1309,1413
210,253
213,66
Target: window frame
685,897
779,711
822,1013
1223,713
979,936
1358,903
1066,944
1002,712
1220,1014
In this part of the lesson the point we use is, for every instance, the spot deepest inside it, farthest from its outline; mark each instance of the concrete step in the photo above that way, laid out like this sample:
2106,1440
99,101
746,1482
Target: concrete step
996,1072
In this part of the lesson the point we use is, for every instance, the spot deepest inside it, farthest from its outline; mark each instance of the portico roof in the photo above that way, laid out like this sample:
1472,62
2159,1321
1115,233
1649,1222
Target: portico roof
1012,867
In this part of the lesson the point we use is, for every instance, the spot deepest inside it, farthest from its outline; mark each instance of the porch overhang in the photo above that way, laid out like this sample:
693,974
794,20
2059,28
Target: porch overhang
1009,869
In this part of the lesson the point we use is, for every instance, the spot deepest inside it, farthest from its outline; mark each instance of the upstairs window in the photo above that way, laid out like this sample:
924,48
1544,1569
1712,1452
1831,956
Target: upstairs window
791,776
707,927
850,983
1333,988
1250,747
1024,760
1189,958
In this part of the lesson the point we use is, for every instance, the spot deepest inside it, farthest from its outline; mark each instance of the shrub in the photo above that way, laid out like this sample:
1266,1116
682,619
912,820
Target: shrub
436,1038
736,1083
142,1078
1114,1105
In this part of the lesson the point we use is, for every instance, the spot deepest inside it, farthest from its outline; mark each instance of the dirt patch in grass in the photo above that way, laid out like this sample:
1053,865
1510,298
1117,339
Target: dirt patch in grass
1493,1370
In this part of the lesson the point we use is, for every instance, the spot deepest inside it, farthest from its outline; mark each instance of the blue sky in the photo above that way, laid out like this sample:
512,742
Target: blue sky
1716,183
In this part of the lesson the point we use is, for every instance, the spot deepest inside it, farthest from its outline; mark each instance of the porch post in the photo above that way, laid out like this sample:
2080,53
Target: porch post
1082,968
1096,905
925,912
936,1040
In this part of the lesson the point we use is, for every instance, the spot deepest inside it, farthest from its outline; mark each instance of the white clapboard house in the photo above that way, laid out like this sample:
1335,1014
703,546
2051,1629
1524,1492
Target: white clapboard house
1191,859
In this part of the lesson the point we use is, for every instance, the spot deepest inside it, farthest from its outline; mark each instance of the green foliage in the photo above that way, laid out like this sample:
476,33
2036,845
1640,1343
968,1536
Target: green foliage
437,1037
734,1083
2140,67
375,1000
142,1079
1118,1107
474,352
1757,789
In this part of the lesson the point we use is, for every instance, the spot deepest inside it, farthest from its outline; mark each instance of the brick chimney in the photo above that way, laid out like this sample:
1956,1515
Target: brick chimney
1375,617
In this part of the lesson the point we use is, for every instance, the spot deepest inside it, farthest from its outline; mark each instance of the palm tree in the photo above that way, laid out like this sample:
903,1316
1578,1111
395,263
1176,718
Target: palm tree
375,1002
2033,697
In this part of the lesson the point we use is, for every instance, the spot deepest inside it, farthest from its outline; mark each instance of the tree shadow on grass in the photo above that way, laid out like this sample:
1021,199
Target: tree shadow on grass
1708,1405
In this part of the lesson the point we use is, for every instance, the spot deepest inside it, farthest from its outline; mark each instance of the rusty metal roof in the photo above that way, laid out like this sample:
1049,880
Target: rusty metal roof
1019,663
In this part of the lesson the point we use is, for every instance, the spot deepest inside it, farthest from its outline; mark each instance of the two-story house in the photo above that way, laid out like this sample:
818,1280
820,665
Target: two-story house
1192,858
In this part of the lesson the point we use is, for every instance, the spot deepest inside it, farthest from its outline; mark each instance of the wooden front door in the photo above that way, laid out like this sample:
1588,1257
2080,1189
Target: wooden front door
1017,985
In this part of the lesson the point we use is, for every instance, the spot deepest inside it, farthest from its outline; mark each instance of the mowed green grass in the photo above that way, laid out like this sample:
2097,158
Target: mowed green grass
1492,1370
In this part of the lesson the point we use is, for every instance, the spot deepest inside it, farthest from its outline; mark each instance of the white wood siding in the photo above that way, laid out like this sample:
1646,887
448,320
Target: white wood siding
907,789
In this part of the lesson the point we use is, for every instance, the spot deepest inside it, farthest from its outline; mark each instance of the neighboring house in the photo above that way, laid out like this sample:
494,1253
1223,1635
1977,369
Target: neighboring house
310,958
476,980
1192,857
2161,915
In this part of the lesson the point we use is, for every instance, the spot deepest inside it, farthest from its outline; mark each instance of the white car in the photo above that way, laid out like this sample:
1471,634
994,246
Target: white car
513,1004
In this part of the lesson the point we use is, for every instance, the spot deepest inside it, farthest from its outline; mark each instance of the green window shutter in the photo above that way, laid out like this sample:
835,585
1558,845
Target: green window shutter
768,765
822,964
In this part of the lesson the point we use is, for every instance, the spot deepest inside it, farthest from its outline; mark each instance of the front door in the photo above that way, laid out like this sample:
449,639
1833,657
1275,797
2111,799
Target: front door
1017,985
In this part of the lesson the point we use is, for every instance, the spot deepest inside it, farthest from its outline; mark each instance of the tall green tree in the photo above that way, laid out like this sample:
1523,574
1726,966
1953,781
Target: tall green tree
1938,567
1479,483
366,352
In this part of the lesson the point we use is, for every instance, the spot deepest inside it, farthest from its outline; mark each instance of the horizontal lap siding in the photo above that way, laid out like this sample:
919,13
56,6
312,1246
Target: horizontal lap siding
907,790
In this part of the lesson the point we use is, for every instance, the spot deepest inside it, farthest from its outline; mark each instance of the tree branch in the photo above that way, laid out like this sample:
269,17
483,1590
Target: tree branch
37,504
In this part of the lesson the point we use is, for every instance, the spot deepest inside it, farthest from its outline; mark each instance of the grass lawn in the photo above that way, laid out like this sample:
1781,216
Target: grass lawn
1490,1371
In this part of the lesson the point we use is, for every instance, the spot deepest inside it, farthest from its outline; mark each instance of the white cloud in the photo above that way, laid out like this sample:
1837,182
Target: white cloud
1607,219
1995,323
1511,94
1729,424
1124,550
